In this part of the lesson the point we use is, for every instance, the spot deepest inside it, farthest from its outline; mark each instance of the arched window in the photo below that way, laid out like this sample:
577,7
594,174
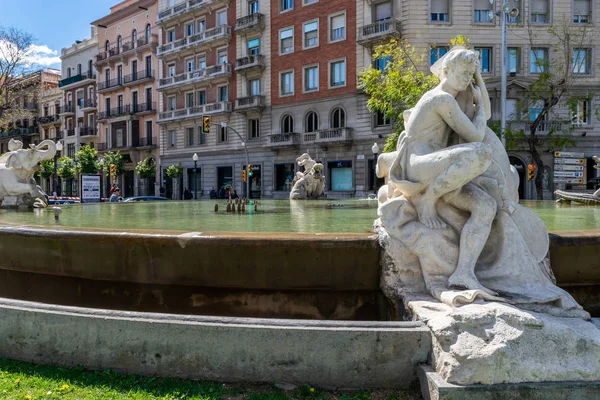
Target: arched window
78,69
148,33
338,118
287,124
119,44
69,72
311,122
133,37
107,46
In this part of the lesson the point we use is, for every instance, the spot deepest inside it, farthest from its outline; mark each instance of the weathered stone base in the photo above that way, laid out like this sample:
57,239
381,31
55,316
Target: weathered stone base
433,387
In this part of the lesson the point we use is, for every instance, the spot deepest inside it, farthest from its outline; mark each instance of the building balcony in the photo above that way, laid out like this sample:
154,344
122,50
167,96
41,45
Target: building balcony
284,140
70,132
144,43
174,14
148,107
49,120
378,32
30,106
147,142
250,103
106,86
111,55
115,112
250,23
87,105
194,112
101,146
67,110
19,131
209,74
247,64
332,136
544,126
77,80
139,77
198,42
87,132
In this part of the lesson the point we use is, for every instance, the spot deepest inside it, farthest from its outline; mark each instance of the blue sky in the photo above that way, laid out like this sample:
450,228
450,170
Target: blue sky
55,24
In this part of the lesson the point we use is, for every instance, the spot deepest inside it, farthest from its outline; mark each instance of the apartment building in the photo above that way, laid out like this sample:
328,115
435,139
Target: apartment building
126,67
429,25
49,120
78,88
25,95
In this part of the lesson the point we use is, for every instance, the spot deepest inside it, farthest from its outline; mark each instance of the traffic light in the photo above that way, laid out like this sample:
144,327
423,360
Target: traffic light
250,173
531,172
243,175
205,124
113,170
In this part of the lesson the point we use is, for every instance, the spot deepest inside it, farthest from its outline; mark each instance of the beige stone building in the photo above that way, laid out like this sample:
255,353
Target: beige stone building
50,123
126,66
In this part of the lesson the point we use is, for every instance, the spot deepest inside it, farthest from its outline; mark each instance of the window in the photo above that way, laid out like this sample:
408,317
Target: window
482,11
285,5
539,11
254,87
253,7
133,37
69,72
538,60
338,118
201,135
581,61
435,53
172,103
382,11
514,60
120,138
307,2
78,69
71,150
201,62
149,130
107,46
149,97
581,113
286,40
286,83
148,33
337,73
287,124
171,70
148,65
253,128
253,47
223,93
440,11
189,65
340,175
172,138
201,25
221,18
120,75
581,11
485,55
382,120
201,95
119,44
90,70
189,99
311,78
189,29
222,134
284,175
189,136
120,103
222,56
311,122
171,36
311,34
337,24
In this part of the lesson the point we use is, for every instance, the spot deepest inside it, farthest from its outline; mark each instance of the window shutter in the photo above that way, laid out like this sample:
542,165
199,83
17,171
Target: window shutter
338,22
539,6
383,11
582,7
439,6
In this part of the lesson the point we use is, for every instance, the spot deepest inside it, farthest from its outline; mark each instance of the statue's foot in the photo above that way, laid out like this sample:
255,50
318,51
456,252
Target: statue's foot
467,281
428,215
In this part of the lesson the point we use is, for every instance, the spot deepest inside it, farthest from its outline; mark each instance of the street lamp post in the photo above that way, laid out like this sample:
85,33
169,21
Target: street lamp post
224,125
507,10
59,148
375,150
195,158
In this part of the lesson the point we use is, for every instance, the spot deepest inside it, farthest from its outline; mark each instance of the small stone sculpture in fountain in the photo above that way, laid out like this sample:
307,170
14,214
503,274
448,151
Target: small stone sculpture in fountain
16,172
453,234
309,184
583,198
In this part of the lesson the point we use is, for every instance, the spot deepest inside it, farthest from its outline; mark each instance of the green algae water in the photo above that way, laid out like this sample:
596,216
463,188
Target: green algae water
327,216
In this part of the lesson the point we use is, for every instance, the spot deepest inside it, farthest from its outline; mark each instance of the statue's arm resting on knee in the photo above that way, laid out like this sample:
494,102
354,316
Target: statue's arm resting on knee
473,131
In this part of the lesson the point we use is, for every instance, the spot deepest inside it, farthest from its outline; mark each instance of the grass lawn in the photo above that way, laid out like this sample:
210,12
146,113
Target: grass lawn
25,381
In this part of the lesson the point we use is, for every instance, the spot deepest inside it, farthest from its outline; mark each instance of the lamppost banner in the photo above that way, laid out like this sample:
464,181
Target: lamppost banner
90,188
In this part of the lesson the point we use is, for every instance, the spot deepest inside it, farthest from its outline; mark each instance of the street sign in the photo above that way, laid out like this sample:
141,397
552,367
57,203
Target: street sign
567,154
579,161
360,156
90,188
568,174
567,167
566,180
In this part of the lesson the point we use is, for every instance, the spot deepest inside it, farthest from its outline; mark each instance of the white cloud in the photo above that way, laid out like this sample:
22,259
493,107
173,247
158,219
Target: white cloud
41,55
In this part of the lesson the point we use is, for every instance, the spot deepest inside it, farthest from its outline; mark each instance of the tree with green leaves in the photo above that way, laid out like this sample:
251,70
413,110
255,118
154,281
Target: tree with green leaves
174,171
46,170
117,159
66,169
88,162
401,83
558,84
146,168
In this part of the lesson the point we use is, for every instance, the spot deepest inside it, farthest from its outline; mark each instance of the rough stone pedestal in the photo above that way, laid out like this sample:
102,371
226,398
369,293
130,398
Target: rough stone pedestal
433,387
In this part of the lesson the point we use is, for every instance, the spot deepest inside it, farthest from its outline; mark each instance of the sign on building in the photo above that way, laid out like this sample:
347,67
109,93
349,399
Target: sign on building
90,188
569,167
